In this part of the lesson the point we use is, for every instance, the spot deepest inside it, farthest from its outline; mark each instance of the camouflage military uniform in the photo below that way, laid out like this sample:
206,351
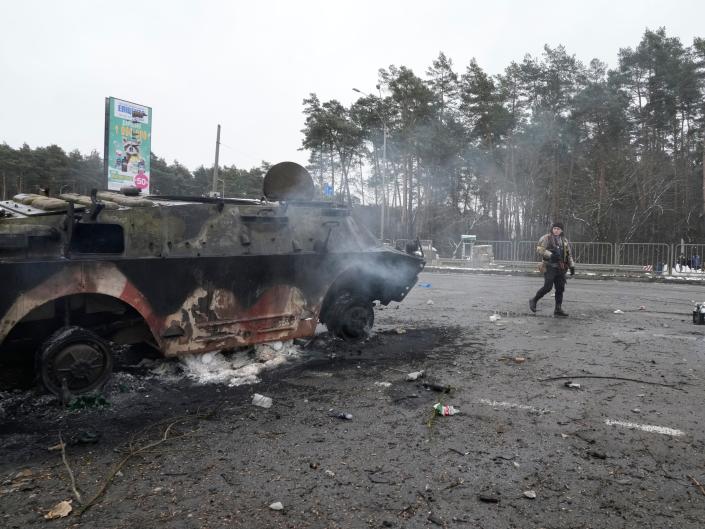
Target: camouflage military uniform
556,254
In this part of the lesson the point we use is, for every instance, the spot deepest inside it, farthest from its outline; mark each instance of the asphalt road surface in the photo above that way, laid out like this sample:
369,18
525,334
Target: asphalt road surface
524,451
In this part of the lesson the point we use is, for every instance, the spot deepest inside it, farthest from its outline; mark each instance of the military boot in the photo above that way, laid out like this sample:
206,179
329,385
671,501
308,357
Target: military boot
560,312
532,304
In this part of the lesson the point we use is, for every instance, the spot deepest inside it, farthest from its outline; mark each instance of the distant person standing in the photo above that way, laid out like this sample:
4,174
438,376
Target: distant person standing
557,259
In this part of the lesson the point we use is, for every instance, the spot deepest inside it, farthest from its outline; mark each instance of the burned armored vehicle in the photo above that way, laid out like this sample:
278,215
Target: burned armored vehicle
186,275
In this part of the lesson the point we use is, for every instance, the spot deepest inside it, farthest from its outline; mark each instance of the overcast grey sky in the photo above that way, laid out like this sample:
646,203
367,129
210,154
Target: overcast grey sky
248,65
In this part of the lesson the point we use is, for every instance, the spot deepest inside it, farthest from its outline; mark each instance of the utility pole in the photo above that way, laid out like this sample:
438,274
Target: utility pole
215,169
4,186
384,179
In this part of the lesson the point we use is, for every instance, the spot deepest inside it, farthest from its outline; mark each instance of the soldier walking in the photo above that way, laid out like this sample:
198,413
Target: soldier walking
557,259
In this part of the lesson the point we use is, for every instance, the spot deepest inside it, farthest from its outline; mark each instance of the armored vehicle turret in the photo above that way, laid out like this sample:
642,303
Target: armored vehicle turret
186,275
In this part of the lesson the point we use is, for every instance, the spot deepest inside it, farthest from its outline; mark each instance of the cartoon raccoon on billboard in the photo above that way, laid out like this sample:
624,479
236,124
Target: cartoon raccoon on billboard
128,137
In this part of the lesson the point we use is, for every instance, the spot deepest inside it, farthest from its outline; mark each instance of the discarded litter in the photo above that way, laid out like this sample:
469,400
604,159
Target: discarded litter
488,498
261,401
60,510
383,384
530,494
429,302
618,311
87,437
495,317
415,375
445,410
519,359
400,330
425,285
343,415
642,307
85,402
330,473
276,506
596,454
571,384
437,387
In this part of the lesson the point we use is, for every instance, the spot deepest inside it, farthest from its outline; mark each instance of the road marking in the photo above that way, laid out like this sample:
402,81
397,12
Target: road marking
503,404
645,427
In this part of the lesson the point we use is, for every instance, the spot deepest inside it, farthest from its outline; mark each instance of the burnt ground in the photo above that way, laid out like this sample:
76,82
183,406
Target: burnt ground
394,464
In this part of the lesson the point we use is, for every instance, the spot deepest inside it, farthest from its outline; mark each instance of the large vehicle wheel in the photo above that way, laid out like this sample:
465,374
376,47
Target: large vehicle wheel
76,355
350,317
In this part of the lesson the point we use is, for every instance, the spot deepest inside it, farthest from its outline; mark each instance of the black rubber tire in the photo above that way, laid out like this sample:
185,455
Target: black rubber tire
350,317
76,354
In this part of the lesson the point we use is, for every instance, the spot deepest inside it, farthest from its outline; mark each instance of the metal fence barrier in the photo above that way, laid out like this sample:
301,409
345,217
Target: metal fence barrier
502,250
525,252
595,253
641,258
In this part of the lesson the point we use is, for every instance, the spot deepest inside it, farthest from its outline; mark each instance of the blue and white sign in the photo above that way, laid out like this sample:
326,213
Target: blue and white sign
327,190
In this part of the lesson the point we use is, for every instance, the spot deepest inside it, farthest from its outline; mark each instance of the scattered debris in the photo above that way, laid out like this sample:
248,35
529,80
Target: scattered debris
642,307
261,401
415,375
440,388
342,415
60,510
456,483
234,369
330,473
572,385
314,465
86,437
531,494
636,410
74,489
383,384
445,410
697,484
276,506
411,396
618,311
488,498
429,302
495,318
400,330
597,454
143,442
23,480
425,285
84,402
519,359
435,519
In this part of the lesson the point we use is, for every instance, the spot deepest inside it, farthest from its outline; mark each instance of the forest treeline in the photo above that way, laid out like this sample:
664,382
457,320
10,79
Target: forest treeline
616,154
26,170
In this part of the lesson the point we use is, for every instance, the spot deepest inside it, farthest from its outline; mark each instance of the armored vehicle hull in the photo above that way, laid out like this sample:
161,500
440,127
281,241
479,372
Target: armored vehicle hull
187,275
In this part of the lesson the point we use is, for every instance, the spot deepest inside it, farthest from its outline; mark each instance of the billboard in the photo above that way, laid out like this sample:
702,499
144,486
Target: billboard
128,139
